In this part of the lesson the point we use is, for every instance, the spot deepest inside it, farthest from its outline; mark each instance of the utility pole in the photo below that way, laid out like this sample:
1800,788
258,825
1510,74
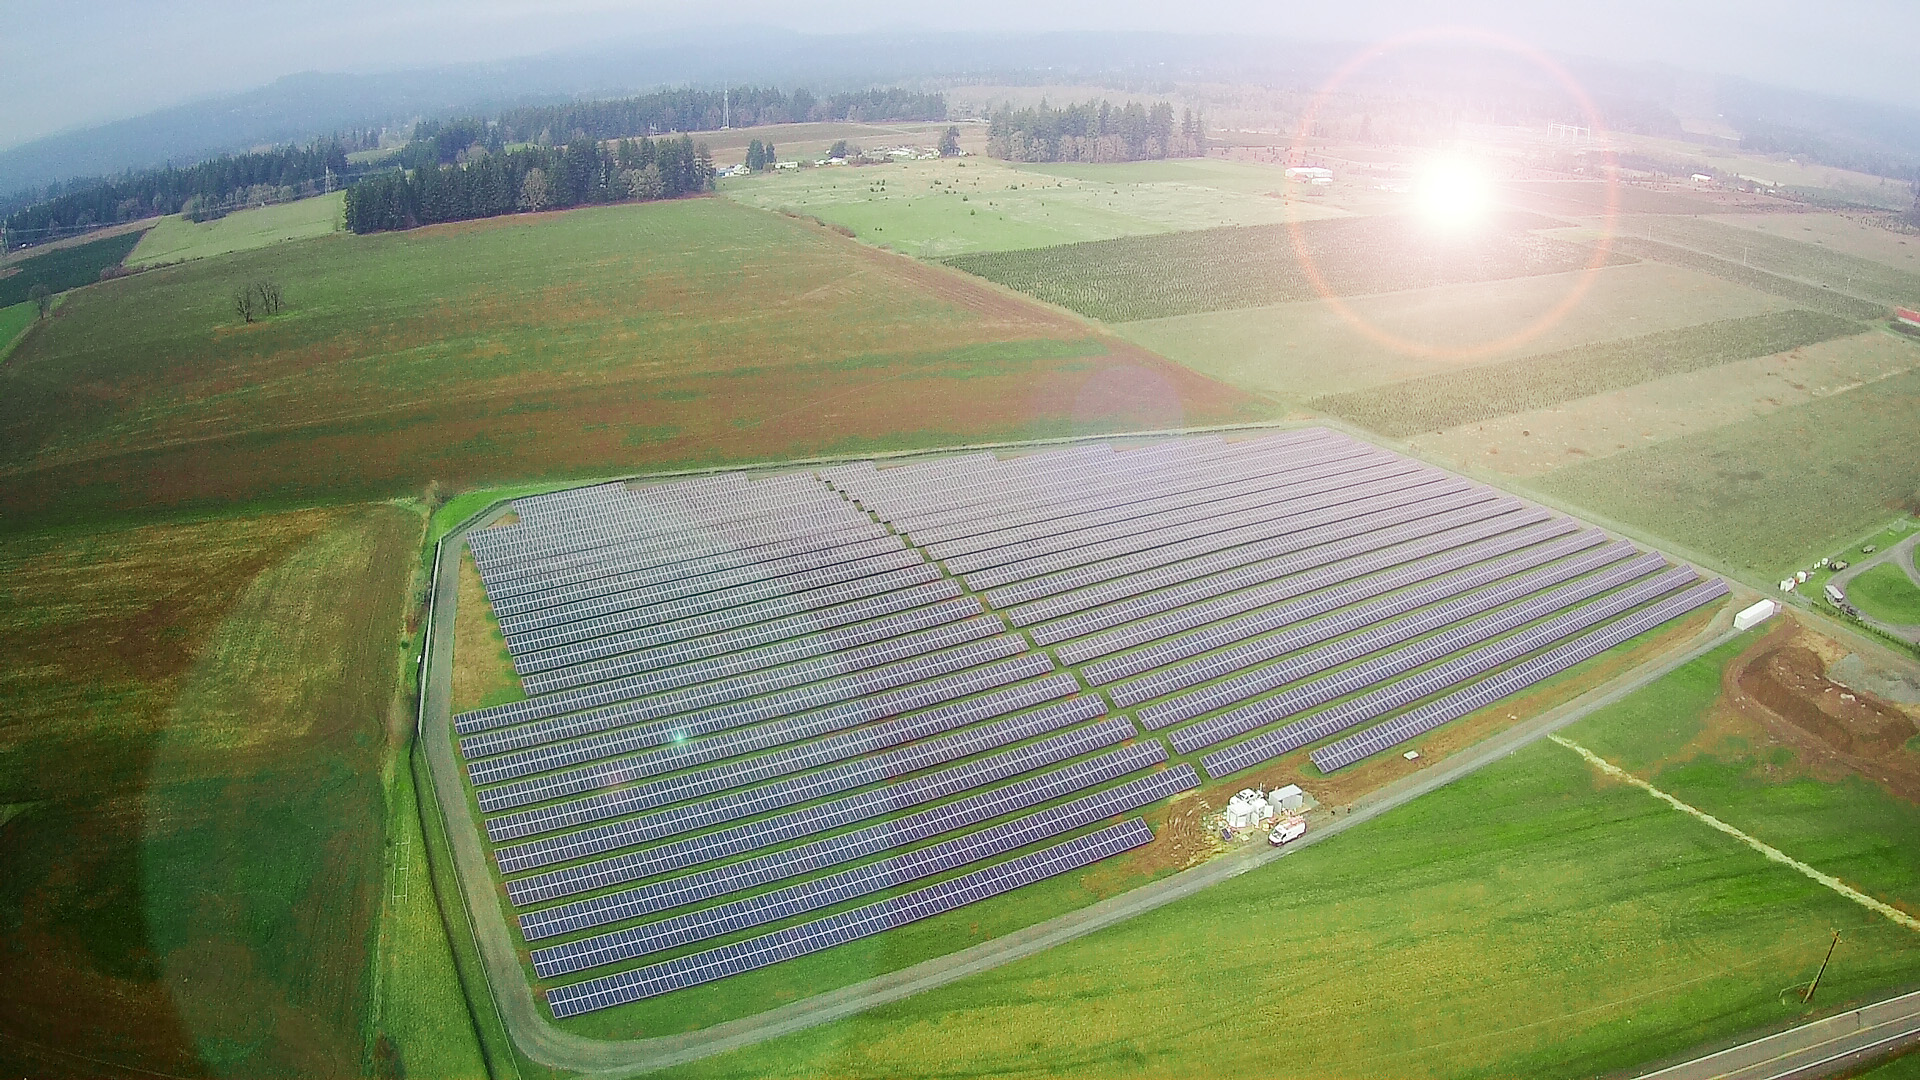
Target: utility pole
1815,984
726,113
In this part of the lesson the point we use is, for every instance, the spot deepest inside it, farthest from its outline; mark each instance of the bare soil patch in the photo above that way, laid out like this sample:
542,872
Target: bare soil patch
1778,692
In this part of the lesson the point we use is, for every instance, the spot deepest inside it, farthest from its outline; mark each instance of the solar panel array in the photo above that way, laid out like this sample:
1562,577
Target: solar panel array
1276,591
769,715
750,704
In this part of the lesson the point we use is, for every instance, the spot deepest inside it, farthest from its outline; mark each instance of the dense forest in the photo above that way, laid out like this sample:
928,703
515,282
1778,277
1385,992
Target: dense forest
433,183
705,110
484,183
201,191
1095,131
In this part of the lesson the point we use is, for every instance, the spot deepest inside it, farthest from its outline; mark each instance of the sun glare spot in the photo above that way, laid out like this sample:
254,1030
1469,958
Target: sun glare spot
1454,194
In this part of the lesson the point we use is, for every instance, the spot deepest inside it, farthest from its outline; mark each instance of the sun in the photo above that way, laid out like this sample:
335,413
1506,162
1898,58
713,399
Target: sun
1454,194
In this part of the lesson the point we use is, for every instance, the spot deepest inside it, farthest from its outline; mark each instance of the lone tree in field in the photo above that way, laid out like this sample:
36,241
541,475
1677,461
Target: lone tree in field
258,300
42,298
950,142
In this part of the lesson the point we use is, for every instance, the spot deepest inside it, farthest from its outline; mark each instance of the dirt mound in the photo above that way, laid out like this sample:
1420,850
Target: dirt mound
1790,681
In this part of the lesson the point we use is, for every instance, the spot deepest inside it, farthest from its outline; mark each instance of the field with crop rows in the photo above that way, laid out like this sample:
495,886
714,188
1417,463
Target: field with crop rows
1445,400
65,268
1818,264
1799,292
1767,494
584,343
1217,269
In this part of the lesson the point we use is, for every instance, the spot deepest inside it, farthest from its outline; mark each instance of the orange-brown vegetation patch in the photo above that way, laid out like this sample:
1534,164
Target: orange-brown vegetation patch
483,671
194,729
1777,692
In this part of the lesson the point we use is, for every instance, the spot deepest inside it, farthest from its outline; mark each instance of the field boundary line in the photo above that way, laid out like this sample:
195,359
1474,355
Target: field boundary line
1772,853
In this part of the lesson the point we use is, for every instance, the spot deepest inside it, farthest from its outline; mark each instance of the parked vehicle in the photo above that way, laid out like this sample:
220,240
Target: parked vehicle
1288,830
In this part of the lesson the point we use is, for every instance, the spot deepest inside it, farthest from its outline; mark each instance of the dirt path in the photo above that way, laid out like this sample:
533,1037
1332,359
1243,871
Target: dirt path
1772,853
542,1041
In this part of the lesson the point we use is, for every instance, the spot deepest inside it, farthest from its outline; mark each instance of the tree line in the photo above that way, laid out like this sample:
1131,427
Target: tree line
1095,131
688,109
201,191
487,184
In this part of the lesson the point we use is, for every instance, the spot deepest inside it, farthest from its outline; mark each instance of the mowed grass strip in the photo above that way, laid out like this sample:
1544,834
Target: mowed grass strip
176,239
1531,919
1448,399
1151,277
65,268
14,321
195,732
1886,593
1809,296
1771,493
585,343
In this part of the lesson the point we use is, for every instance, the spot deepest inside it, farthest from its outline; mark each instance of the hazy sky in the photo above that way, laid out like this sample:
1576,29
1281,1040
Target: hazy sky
68,65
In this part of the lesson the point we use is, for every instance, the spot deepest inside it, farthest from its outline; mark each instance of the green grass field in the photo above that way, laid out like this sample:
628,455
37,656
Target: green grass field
64,268
1886,593
582,343
1529,920
1818,264
14,321
951,207
1282,350
421,1009
1799,292
175,239
1185,273
195,733
1489,390
1770,494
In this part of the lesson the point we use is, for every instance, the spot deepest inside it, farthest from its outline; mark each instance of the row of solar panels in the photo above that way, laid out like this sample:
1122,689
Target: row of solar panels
768,949
874,743
1156,626
1336,527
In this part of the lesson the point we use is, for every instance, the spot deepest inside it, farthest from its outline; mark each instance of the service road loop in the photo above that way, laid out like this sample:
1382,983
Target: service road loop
551,1046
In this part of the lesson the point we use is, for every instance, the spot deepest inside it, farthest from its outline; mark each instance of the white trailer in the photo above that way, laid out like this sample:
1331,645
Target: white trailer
1755,615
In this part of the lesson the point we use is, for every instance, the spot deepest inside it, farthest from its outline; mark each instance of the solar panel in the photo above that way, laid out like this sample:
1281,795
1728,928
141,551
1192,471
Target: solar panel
606,775
807,821
696,926
770,620
1290,533
1398,661
672,666
846,926
617,619
1332,617
1345,752
1455,670
631,703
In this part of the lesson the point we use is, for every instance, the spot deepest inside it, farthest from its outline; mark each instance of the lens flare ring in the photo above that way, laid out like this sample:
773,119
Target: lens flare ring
1454,195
